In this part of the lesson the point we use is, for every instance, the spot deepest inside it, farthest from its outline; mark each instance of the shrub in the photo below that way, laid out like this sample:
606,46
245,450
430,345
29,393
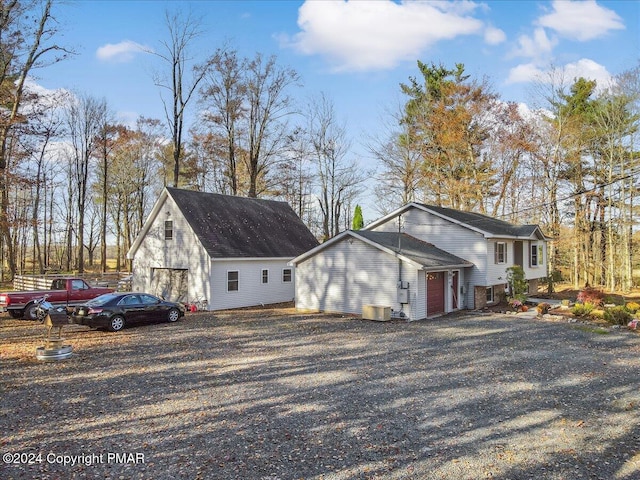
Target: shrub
592,296
633,307
543,308
582,309
613,300
617,315
597,313
517,281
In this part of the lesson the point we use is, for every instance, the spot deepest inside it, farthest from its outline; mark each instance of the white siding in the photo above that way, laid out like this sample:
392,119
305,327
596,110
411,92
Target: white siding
207,278
541,270
497,272
251,290
351,274
470,246
184,251
452,238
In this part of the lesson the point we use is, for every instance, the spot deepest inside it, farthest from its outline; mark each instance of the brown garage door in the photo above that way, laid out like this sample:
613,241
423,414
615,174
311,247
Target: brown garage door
435,293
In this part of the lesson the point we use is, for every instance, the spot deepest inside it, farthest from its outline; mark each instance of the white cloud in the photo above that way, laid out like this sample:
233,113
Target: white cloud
494,36
366,35
584,67
581,20
588,69
524,73
124,51
536,46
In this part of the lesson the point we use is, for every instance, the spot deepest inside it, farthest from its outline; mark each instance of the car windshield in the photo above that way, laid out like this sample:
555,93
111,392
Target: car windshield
102,299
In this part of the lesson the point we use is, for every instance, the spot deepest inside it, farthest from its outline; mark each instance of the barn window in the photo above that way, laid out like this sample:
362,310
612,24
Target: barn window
232,281
265,275
168,230
286,275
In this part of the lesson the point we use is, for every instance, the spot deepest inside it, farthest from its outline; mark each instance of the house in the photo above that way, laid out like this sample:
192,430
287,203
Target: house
232,251
420,260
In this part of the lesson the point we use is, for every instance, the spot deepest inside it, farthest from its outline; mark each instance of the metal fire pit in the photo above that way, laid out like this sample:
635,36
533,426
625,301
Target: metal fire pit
54,347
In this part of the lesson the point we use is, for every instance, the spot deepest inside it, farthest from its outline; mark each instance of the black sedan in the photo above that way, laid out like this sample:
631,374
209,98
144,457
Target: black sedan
115,310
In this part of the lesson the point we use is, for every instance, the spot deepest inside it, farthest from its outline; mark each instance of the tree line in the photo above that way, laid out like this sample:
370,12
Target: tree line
74,181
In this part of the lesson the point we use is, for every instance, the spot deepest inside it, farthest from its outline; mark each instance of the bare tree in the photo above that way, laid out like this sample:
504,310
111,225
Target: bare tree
269,104
85,120
224,101
338,178
24,45
106,138
401,178
246,104
183,31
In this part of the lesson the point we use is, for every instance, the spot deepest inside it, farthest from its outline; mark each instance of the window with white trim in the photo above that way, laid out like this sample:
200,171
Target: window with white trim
501,252
287,275
233,281
265,276
537,255
489,294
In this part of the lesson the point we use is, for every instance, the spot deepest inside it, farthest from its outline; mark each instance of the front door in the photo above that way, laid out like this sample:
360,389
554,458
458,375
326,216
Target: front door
435,293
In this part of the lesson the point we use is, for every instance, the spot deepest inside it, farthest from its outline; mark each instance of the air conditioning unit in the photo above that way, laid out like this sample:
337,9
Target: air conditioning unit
381,313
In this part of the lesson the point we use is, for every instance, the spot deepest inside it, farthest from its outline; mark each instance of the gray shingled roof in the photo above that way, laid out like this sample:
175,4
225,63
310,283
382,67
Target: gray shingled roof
485,223
232,227
423,253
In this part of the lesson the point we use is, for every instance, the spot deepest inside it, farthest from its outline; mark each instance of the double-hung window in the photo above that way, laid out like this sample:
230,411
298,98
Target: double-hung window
537,252
232,281
501,252
265,276
489,294
287,275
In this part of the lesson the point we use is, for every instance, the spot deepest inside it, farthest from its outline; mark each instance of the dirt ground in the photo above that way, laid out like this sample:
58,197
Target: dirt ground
271,394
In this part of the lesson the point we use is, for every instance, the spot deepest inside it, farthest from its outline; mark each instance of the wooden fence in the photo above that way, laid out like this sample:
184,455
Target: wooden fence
117,280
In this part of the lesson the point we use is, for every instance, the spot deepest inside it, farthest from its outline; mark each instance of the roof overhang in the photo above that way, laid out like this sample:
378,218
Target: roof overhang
424,208
342,236
354,235
147,224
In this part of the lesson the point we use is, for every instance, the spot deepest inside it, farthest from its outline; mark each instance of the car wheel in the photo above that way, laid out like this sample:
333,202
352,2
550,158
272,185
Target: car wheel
31,313
116,323
173,315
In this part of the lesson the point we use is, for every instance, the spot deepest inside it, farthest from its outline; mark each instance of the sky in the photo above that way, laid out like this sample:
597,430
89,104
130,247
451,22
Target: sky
357,53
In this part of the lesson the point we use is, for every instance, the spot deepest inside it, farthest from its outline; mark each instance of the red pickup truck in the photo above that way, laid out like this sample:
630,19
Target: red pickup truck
64,291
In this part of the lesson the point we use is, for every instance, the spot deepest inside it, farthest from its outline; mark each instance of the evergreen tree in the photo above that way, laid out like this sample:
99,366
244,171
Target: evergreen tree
358,221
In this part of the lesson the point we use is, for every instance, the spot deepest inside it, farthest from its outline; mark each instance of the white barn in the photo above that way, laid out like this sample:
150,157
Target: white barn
444,260
231,251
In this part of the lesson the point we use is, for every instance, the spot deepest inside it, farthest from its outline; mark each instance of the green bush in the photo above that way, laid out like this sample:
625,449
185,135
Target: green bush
613,300
582,309
517,282
617,315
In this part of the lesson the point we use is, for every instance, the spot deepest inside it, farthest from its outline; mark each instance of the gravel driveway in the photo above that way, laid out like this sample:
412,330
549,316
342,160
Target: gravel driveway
271,394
